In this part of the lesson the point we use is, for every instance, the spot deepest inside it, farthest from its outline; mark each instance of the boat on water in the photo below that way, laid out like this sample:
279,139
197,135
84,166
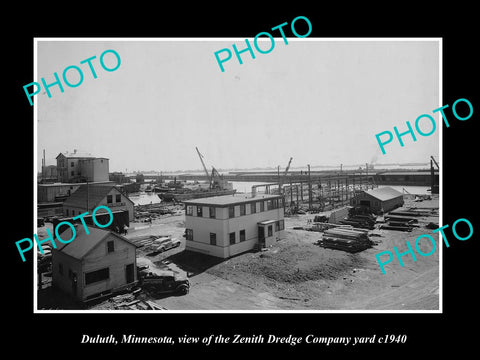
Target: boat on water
215,186
186,194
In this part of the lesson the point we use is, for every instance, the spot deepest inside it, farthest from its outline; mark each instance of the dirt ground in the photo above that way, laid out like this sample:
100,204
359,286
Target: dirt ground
297,274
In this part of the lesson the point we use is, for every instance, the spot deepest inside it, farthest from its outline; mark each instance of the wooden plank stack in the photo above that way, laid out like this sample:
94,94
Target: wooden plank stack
351,240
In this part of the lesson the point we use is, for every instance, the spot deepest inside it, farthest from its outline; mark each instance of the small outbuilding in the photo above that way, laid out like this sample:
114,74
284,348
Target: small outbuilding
379,200
88,196
93,264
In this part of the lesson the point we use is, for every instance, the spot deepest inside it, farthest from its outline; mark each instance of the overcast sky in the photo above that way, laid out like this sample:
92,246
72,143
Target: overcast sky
320,102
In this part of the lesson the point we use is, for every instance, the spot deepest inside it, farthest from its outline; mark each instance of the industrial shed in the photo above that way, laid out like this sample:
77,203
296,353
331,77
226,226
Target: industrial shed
379,200
94,264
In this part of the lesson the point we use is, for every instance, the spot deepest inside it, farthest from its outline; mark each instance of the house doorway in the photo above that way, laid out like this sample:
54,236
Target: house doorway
74,284
261,236
129,273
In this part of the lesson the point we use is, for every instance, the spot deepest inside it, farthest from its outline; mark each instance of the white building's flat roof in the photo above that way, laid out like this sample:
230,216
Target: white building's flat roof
226,200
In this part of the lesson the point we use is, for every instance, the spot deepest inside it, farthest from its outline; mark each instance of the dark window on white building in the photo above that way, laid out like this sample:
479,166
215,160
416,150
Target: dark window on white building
232,238
96,276
211,210
242,235
213,239
110,246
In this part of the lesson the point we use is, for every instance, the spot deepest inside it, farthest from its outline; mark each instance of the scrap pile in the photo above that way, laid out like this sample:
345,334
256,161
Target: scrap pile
147,240
359,220
154,211
128,302
346,239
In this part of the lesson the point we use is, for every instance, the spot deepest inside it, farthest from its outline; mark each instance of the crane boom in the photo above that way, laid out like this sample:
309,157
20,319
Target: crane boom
280,181
204,167
288,166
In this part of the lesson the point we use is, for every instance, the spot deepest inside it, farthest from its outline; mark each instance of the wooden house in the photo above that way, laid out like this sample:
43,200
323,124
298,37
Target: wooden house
93,264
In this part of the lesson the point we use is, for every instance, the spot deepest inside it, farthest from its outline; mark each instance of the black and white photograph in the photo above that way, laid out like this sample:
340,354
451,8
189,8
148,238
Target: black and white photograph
262,187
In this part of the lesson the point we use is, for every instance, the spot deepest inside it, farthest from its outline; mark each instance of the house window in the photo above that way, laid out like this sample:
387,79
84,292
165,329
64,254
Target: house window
72,173
109,199
277,225
253,208
242,209
231,211
232,238
73,212
262,206
189,234
72,164
242,235
110,246
282,224
199,211
96,276
269,205
118,198
189,210
211,210
66,212
270,230
275,203
60,269
213,239
280,202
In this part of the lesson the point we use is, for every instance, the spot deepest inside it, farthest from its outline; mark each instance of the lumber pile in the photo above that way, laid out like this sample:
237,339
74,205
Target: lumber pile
400,221
359,219
350,240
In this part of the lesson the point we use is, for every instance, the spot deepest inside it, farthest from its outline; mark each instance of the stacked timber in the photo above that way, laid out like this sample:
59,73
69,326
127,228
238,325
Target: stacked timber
360,221
351,240
400,221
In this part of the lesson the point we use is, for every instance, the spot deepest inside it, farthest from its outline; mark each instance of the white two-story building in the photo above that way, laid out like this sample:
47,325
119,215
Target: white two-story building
224,226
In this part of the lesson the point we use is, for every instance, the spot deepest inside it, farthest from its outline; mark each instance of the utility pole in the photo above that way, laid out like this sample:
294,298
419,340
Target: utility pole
88,207
291,194
432,176
279,185
309,189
